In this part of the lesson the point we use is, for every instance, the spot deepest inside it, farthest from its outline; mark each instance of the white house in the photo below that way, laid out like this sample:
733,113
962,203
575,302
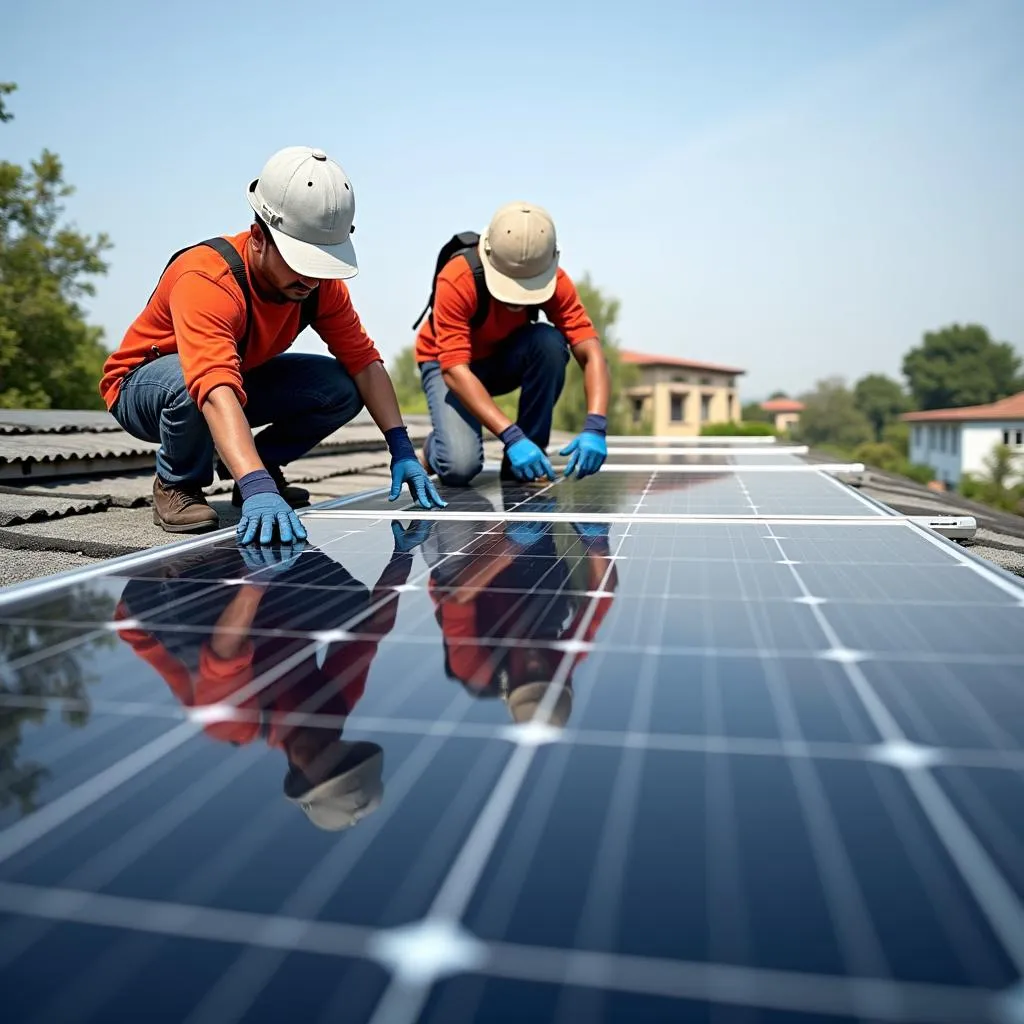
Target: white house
956,441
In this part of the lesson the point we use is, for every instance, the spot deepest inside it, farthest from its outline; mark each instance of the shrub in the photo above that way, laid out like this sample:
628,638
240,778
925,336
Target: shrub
747,428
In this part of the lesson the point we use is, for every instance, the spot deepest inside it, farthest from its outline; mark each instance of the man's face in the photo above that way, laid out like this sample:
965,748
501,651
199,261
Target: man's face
276,277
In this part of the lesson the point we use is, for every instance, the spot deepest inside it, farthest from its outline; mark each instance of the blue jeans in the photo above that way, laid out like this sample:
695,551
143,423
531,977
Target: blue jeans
534,359
303,397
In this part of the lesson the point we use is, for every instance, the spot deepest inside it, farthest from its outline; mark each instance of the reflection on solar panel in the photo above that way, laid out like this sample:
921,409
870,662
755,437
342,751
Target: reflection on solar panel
728,745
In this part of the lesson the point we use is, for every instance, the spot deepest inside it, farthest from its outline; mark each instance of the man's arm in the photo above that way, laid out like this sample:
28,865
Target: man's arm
378,394
596,377
466,386
231,431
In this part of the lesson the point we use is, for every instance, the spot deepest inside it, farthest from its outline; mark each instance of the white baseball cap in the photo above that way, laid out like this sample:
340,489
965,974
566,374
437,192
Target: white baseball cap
519,253
307,201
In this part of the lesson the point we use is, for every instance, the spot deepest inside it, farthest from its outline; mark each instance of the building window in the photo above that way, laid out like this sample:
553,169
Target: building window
955,440
732,407
1006,437
931,439
680,378
705,408
917,436
638,410
677,412
1020,437
705,382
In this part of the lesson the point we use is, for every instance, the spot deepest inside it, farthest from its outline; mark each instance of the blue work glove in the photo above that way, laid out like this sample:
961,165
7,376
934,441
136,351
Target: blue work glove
588,449
525,534
527,460
263,508
406,469
270,562
408,538
593,533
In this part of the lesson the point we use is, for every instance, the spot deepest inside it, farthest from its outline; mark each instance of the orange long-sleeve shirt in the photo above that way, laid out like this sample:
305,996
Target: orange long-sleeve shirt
452,342
198,311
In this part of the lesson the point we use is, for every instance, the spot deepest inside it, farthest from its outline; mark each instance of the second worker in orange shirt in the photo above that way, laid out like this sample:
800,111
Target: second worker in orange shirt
206,360
483,338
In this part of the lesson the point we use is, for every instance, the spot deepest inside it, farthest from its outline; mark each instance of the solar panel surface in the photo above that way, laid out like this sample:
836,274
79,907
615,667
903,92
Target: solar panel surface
740,746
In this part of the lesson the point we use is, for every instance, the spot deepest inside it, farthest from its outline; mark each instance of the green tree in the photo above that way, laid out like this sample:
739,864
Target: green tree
881,399
753,413
961,365
571,407
831,417
777,394
49,356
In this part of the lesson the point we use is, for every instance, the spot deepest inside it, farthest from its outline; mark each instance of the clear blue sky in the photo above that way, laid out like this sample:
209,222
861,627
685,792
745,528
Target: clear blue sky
798,187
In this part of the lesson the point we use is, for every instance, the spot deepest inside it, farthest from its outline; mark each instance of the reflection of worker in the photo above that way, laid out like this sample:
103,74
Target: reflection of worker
216,668
506,598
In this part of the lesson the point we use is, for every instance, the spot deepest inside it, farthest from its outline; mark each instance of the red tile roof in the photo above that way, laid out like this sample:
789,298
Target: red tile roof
643,359
1011,408
782,405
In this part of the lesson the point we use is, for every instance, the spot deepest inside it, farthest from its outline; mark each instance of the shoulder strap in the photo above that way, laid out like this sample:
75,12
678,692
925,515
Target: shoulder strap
237,267
461,243
483,296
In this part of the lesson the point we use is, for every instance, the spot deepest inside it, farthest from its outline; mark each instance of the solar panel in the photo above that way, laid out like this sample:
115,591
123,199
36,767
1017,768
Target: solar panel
706,741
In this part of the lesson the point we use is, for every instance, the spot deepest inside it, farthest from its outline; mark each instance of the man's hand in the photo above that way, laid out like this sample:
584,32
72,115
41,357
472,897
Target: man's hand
527,460
271,562
525,534
407,538
593,533
588,449
263,509
409,471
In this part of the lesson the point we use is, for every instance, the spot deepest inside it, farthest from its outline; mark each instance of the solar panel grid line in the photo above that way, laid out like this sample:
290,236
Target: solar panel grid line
998,757
694,440
705,450
993,894
796,992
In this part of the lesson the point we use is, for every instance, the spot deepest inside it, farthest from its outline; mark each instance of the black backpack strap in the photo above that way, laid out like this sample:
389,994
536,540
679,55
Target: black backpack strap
483,296
462,243
237,267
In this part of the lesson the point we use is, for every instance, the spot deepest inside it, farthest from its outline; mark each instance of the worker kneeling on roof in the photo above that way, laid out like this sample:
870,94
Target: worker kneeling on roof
483,338
206,361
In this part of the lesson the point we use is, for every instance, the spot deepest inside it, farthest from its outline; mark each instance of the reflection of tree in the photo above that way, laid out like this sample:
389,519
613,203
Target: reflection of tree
62,675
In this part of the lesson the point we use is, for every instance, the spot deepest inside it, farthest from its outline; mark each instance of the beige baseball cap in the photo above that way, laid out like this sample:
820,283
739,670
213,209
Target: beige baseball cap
519,253
307,201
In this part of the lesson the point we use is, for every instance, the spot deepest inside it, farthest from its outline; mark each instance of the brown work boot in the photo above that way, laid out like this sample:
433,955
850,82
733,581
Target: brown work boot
182,508
297,497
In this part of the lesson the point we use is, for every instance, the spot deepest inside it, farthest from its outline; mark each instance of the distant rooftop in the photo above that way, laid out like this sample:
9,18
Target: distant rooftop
1011,408
782,405
645,359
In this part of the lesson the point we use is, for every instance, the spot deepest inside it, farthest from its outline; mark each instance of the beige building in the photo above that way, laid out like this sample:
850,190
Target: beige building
679,396
785,412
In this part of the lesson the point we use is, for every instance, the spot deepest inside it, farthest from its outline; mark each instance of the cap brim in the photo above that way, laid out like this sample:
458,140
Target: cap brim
518,291
324,262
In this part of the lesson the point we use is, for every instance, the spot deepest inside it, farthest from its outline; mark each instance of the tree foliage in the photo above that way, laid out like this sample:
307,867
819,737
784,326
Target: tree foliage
831,417
881,399
49,356
571,407
753,413
961,365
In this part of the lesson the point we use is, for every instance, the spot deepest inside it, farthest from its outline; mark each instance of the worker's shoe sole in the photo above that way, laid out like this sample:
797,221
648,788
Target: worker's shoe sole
202,526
